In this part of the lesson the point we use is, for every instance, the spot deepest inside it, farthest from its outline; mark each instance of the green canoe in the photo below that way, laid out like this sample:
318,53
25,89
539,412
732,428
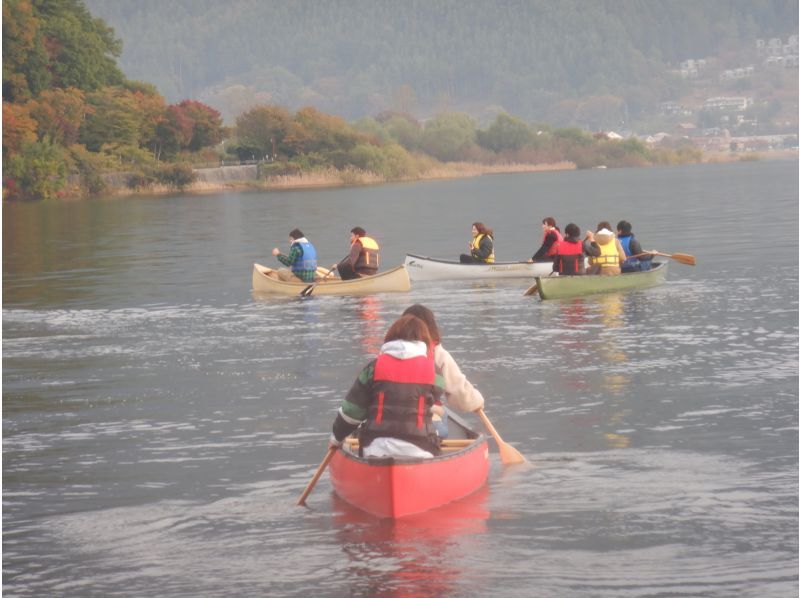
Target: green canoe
561,287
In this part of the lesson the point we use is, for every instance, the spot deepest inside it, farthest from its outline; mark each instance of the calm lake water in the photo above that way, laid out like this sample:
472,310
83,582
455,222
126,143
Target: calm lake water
159,421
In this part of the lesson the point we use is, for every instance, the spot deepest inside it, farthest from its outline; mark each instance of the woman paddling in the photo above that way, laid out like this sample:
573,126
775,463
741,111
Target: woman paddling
391,401
481,247
458,391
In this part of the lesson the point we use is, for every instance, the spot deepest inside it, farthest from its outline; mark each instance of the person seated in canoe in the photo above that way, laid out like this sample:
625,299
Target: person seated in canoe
302,259
481,247
459,392
604,250
391,402
551,236
635,262
364,257
569,257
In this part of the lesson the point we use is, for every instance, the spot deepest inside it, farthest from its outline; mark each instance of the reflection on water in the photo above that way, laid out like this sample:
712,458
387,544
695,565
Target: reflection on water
421,554
372,329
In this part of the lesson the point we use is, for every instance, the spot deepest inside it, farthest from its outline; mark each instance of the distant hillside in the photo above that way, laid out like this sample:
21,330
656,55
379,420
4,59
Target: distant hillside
359,57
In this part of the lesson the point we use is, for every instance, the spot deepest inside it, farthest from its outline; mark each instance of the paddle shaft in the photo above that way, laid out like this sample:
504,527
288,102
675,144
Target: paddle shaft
310,288
508,454
322,466
683,258
532,290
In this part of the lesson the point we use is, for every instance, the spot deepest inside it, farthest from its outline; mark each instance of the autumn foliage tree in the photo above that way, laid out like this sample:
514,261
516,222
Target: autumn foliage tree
263,129
59,114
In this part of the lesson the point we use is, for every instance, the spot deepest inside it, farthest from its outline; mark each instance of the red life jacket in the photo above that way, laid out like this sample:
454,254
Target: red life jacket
554,247
404,390
569,255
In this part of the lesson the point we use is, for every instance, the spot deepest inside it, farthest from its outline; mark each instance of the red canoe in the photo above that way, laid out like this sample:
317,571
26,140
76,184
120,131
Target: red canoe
395,487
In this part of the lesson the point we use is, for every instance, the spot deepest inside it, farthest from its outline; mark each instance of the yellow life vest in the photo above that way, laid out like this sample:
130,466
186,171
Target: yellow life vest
476,244
609,256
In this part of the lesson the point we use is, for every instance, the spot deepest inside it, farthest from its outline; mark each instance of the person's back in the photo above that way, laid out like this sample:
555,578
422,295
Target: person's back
459,392
394,397
635,261
569,257
606,260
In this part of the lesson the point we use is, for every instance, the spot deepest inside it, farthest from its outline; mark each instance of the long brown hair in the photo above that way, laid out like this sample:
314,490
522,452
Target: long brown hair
409,328
483,229
426,315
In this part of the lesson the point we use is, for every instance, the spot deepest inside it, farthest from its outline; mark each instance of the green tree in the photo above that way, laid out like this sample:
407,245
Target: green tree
82,49
112,119
312,131
449,136
25,71
405,131
505,133
39,171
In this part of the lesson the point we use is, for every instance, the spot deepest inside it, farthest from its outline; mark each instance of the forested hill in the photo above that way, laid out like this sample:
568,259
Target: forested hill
358,57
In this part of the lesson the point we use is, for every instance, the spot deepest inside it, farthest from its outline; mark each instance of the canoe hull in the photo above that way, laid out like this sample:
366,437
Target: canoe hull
392,488
563,287
391,281
422,268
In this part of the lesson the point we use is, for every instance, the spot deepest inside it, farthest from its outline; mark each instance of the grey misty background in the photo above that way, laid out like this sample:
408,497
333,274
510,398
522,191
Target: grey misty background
600,64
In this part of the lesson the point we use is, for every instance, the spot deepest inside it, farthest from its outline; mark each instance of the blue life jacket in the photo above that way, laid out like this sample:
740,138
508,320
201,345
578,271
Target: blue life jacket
630,263
308,261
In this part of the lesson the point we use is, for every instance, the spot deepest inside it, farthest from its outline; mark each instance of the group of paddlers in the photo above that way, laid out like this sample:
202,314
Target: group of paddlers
363,258
608,253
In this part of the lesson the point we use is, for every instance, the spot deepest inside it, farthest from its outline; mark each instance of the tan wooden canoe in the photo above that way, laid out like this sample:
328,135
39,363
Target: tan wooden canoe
265,280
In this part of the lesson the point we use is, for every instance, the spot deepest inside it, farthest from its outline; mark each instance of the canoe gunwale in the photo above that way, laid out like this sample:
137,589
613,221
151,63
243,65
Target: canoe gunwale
427,269
389,281
456,263
351,453
606,284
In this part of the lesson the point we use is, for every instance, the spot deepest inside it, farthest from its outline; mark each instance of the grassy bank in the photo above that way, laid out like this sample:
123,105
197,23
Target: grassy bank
333,177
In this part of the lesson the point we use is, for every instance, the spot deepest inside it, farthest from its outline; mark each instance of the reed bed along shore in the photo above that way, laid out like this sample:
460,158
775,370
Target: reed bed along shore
332,177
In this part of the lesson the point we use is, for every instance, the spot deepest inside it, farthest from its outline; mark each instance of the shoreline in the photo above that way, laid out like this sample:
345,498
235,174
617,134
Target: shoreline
332,178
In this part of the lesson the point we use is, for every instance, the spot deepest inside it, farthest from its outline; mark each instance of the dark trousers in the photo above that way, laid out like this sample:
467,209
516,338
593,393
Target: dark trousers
346,271
469,259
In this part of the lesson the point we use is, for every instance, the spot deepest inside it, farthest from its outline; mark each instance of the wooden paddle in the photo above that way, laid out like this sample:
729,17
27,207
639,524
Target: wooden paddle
532,290
317,474
508,454
310,288
683,258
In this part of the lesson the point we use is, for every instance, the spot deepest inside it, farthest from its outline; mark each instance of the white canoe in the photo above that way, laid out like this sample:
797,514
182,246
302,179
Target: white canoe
265,280
421,267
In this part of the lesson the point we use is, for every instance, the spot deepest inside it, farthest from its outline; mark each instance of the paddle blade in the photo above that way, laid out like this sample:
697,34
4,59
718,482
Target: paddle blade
532,290
684,258
308,290
509,455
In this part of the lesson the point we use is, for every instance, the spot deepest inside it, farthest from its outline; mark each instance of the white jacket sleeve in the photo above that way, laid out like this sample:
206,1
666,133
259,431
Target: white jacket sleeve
457,389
